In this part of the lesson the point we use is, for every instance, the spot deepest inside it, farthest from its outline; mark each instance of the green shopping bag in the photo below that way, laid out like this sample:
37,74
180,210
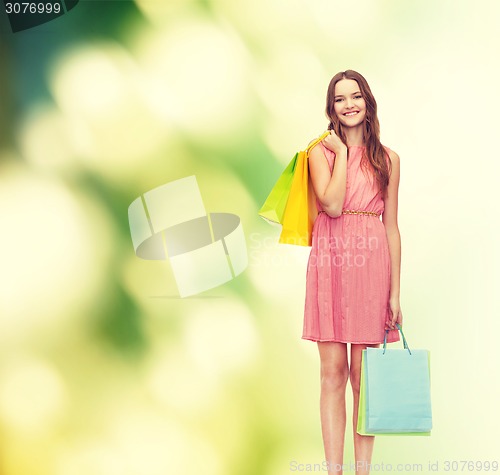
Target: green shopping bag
394,394
274,206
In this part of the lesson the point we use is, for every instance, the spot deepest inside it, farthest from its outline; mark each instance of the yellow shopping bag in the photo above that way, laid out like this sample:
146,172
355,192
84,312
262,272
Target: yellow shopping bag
300,211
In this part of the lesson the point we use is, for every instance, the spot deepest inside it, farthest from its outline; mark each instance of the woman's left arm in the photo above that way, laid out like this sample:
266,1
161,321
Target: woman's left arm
390,220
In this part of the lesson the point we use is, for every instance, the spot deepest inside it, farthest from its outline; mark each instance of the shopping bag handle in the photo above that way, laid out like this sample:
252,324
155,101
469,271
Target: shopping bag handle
405,343
316,141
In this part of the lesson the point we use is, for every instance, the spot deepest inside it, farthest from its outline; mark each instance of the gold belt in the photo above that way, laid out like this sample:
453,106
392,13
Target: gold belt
356,211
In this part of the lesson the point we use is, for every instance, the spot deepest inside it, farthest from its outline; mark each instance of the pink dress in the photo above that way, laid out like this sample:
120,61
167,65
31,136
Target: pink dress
349,268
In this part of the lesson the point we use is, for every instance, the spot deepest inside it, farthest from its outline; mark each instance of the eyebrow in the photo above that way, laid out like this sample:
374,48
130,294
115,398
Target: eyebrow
357,92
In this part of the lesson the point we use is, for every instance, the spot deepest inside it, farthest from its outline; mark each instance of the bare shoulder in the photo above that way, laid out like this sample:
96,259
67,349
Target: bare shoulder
393,158
392,154
317,152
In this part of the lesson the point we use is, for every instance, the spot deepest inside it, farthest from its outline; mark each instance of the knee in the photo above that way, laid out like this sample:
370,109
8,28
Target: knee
334,377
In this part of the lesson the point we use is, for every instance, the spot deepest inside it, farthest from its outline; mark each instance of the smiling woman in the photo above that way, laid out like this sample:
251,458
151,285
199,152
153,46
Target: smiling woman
352,289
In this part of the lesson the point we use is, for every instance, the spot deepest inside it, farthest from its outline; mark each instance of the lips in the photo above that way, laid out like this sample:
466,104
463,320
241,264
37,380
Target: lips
351,113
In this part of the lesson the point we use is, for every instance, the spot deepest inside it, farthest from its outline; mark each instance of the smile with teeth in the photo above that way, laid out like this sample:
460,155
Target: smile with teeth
349,114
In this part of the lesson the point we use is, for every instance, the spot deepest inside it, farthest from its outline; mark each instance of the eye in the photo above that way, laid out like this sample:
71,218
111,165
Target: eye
338,100
359,96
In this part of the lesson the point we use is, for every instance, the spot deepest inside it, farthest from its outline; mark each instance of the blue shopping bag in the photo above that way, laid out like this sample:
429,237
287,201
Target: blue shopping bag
395,394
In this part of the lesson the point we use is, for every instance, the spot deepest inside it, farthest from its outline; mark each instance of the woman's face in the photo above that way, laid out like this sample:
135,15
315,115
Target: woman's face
349,104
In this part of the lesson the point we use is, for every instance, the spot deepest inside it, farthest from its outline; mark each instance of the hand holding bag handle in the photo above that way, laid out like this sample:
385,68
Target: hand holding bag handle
405,344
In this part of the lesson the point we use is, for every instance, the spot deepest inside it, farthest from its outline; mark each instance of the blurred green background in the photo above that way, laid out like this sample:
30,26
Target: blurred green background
103,369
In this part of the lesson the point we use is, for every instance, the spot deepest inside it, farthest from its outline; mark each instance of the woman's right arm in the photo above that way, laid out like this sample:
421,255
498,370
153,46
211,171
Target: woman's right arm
330,188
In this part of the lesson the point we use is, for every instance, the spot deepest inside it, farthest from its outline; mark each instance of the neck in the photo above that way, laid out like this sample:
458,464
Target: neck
354,136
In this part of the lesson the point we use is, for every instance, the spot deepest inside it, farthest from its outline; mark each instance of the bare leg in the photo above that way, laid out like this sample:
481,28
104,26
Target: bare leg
363,444
334,376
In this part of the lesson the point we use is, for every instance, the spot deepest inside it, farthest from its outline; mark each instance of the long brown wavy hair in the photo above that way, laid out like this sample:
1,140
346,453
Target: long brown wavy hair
375,153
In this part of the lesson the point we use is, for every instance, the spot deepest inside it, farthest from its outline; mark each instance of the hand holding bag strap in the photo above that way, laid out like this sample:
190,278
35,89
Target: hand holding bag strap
405,344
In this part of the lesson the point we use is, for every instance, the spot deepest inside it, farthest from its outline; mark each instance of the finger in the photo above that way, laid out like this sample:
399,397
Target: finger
393,320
